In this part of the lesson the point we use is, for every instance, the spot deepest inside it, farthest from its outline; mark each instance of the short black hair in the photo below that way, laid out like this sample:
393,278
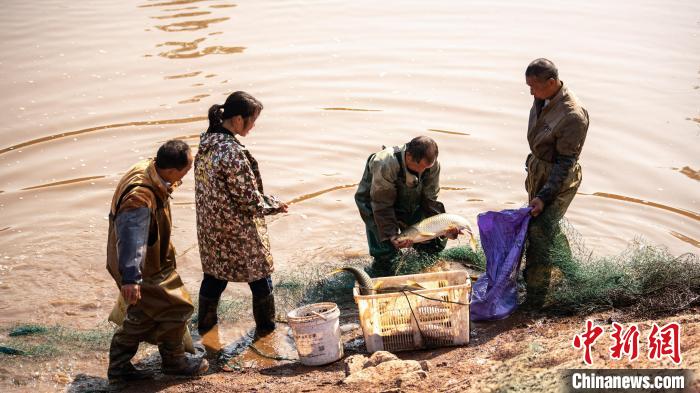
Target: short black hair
173,154
542,69
422,147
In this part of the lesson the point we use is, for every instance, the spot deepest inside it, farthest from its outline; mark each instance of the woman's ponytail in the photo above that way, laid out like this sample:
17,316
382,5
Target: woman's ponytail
215,116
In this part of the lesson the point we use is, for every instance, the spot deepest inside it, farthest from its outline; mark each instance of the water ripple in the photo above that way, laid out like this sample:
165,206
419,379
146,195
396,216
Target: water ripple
188,75
191,25
189,50
63,182
448,132
100,128
688,171
685,238
193,99
173,2
687,213
317,193
352,109
182,15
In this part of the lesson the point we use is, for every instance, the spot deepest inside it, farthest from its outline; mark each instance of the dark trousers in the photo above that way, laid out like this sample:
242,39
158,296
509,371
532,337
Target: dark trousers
547,245
212,287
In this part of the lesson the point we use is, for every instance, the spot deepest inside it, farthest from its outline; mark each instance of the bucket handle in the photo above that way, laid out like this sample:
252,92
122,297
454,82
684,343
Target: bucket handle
319,315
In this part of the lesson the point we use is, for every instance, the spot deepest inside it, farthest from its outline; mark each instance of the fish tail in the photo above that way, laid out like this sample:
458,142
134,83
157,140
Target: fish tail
472,241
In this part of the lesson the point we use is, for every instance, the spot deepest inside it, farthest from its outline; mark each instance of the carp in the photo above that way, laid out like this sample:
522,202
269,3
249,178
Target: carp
436,226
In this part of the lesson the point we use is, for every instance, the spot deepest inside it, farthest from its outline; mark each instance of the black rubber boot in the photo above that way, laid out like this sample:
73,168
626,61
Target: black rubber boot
120,368
264,314
382,266
176,362
207,317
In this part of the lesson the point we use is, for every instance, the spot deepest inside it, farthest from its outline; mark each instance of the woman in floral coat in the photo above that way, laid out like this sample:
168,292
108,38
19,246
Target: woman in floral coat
231,210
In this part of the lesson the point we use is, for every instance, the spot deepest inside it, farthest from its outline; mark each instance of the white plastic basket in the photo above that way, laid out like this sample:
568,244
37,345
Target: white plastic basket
432,317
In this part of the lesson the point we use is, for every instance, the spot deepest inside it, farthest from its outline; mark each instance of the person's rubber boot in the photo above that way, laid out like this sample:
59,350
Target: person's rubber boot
382,266
176,362
264,315
537,279
120,368
207,316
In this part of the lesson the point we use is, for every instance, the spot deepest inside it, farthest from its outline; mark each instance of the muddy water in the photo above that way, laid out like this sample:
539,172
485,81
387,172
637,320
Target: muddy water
237,347
88,89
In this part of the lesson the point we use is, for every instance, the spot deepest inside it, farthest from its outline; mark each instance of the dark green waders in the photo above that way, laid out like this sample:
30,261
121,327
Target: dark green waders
547,245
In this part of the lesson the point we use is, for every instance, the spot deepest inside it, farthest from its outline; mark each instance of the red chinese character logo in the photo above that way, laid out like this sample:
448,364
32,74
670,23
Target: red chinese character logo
665,342
587,339
626,343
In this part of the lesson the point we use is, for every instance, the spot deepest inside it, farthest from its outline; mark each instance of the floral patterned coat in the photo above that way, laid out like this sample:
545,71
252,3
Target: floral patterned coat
231,209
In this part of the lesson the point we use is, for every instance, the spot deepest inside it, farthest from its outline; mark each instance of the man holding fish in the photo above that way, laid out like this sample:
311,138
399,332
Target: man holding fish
399,188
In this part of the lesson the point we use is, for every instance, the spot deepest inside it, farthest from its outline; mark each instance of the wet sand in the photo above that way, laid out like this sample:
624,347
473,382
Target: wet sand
90,89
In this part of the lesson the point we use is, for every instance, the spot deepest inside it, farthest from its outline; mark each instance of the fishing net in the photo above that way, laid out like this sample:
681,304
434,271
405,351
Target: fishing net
411,261
645,279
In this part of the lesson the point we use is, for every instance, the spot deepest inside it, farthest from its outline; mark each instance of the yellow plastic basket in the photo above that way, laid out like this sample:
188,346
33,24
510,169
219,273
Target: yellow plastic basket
427,318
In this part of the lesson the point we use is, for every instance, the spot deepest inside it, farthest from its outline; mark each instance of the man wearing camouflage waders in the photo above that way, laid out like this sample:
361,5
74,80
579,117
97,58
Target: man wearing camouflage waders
556,131
141,259
399,188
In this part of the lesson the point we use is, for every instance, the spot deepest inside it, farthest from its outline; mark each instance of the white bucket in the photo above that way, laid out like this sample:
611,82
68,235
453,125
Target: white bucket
316,332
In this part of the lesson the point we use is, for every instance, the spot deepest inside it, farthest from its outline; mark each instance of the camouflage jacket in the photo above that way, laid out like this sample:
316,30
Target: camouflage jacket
392,197
231,209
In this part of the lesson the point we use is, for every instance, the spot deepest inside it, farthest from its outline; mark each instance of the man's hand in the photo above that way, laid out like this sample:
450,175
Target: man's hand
537,206
401,243
453,233
283,208
131,293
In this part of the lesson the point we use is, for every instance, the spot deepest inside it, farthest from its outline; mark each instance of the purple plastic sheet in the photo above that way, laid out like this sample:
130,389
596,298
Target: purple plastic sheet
495,293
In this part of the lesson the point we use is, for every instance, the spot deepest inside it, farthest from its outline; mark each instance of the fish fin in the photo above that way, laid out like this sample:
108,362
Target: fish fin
430,234
336,271
472,241
414,283
377,284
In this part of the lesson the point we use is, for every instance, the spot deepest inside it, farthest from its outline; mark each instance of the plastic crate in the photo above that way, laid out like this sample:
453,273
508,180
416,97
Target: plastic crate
432,317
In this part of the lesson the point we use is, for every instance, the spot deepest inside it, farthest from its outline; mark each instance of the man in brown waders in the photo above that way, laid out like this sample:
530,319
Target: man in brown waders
141,259
556,131
399,188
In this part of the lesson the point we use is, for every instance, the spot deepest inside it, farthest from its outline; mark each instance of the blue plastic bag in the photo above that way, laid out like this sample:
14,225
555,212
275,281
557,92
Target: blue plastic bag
503,234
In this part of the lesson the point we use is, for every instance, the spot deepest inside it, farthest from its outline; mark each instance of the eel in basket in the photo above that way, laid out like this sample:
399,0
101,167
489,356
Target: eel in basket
367,287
